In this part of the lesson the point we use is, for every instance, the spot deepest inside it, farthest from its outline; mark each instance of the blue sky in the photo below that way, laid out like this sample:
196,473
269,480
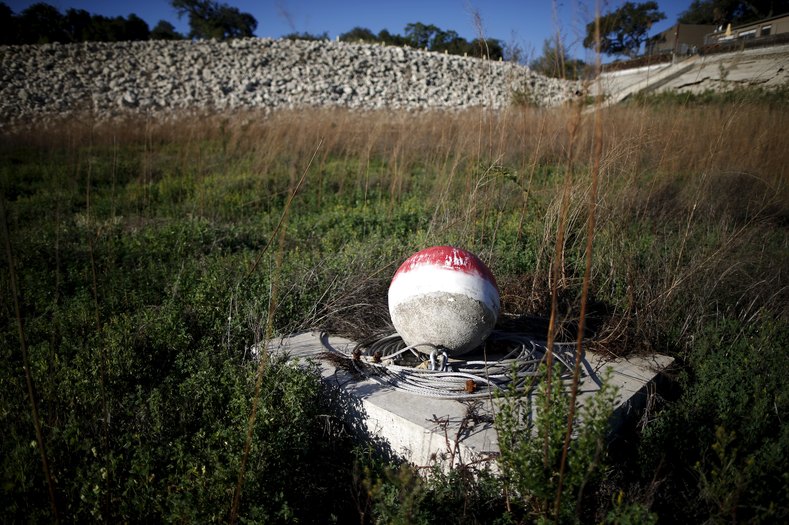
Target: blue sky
526,22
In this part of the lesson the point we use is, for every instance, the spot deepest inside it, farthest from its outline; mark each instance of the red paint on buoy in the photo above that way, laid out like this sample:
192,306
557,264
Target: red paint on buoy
450,258
444,297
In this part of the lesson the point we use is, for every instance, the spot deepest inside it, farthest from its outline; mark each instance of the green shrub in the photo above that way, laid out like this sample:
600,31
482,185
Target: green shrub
776,97
531,435
403,494
727,427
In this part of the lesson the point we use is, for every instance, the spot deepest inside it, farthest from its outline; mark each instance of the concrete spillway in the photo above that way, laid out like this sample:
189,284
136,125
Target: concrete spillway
763,67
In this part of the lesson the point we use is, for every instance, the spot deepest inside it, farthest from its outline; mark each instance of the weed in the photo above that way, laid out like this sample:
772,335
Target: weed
524,97
531,471
689,259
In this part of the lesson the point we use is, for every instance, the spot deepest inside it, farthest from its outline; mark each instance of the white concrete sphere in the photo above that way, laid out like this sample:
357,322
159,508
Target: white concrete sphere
446,297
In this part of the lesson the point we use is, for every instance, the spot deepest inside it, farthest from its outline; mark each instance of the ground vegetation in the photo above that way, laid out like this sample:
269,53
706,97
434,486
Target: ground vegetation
146,265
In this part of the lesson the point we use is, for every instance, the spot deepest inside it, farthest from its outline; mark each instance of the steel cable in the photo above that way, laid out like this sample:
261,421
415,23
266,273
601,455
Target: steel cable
509,360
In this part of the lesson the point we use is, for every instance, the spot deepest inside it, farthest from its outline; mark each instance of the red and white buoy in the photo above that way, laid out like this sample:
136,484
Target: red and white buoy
445,297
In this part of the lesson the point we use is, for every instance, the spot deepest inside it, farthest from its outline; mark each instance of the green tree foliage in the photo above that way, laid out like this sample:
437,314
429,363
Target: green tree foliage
42,23
554,62
208,19
164,30
704,12
421,35
359,34
731,11
624,30
391,39
80,26
446,40
430,37
491,48
452,43
513,52
7,25
306,36
433,38
135,28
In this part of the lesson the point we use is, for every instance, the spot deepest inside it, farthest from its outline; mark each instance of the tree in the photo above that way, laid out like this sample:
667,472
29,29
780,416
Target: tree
554,62
454,44
391,39
209,19
164,30
41,24
135,28
514,52
359,34
7,25
448,41
79,26
420,35
624,30
491,48
306,36
720,12
702,12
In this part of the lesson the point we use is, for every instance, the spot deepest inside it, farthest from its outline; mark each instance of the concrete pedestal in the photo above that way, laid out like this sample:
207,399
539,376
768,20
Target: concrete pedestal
421,429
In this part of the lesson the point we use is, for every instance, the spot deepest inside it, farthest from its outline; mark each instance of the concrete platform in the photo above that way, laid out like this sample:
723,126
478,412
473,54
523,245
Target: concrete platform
422,429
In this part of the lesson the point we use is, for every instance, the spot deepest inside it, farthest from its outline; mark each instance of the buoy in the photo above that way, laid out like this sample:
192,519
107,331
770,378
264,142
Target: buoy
445,297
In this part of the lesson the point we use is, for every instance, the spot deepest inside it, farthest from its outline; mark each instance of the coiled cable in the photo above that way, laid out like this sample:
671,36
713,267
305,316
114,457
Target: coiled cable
506,360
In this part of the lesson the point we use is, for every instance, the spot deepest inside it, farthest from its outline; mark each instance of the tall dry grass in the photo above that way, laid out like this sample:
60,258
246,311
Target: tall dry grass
690,212
685,195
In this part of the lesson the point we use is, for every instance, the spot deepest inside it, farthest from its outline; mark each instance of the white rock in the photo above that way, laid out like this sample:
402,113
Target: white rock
170,76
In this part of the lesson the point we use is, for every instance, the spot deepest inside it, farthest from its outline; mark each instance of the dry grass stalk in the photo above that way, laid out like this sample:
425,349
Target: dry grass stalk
26,364
263,344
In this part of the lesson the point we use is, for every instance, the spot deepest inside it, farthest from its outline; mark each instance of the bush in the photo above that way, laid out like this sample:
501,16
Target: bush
531,434
727,427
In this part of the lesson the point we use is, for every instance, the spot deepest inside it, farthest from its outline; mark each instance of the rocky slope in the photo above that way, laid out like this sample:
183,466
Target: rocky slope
161,77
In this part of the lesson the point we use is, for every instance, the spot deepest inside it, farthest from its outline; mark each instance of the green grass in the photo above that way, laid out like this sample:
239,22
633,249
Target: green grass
690,259
775,97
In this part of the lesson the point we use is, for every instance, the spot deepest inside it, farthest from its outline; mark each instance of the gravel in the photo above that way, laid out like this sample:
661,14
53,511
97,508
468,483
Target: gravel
155,78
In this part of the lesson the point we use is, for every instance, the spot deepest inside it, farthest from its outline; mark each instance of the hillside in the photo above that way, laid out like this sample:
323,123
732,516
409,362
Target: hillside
163,77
